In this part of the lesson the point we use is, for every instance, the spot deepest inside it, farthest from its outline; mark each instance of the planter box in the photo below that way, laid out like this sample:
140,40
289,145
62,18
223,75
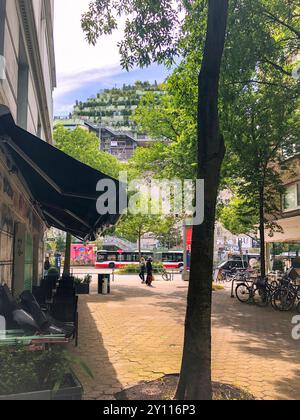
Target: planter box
73,392
53,278
30,396
82,289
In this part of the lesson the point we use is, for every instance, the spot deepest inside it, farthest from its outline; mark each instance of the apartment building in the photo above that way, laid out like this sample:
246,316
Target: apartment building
27,80
289,218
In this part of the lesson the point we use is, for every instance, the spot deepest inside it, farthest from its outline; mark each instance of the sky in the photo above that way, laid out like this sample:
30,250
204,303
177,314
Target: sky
83,70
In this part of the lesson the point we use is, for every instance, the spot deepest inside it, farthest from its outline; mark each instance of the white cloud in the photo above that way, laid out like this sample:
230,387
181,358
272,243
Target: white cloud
82,69
77,61
69,82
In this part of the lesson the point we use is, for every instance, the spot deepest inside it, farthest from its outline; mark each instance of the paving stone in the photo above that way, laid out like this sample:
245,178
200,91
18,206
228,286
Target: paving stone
137,334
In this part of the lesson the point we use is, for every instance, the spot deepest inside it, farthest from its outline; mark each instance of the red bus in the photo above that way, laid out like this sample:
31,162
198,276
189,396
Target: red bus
120,259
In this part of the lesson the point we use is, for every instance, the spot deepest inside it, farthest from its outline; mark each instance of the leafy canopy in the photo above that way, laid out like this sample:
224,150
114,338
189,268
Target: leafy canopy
84,146
152,28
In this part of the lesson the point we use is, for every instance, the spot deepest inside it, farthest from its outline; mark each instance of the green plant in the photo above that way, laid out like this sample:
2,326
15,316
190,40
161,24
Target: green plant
135,269
53,271
278,265
88,279
22,371
77,281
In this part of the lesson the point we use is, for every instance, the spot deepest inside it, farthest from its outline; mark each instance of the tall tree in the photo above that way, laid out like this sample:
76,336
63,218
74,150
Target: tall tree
83,146
195,378
260,103
262,50
239,216
133,228
151,35
265,133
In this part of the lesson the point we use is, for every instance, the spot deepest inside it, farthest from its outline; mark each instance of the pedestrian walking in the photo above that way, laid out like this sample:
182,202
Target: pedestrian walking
149,269
142,270
47,266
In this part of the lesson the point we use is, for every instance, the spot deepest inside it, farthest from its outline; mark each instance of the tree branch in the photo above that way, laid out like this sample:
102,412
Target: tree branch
281,22
259,82
277,67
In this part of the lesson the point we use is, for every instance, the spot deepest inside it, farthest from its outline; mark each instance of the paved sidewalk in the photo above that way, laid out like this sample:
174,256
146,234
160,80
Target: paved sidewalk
136,334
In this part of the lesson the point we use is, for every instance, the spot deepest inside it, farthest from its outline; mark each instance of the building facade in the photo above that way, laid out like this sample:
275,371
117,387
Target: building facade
70,124
289,218
227,243
26,86
114,108
121,144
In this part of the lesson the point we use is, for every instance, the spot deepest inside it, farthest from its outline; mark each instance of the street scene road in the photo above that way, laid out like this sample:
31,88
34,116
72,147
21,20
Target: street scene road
136,334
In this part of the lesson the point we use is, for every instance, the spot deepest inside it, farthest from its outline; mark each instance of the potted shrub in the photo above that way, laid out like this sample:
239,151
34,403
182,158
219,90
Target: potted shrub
278,265
44,375
82,287
53,276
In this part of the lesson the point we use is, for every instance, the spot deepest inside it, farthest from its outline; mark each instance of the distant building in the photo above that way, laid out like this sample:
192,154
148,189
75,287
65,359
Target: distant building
226,242
121,144
69,124
110,116
289,218
114,108
117,143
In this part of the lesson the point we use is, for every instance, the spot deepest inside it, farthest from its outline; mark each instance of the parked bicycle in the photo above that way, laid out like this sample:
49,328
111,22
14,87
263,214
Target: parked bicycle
282,296
259,292
165,275
227,276
287,293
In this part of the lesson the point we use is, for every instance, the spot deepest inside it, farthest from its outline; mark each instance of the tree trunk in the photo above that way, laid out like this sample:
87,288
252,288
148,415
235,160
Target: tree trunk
67,265
262,232
195,379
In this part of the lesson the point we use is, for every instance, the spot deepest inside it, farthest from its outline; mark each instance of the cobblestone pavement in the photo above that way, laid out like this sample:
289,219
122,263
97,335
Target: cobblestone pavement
136,334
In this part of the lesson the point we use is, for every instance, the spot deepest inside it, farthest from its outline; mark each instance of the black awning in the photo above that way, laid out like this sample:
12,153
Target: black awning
63,188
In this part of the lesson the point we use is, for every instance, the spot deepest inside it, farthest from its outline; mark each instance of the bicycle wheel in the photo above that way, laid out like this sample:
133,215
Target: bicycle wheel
274,284
243,293
261,297
283,300
166,276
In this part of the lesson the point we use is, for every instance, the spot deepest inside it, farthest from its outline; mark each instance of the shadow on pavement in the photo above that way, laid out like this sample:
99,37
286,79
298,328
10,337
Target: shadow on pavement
260,334
92,351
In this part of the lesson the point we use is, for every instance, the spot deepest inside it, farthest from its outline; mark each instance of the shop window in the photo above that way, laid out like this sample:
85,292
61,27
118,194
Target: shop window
292,197
6,245
28,269
6,257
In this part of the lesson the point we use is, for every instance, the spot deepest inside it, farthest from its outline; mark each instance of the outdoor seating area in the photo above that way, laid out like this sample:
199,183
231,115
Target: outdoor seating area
48,315
149,202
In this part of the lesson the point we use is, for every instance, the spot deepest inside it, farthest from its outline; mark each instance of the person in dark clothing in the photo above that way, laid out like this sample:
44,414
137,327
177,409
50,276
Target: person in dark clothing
47,266
149,272
142,270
